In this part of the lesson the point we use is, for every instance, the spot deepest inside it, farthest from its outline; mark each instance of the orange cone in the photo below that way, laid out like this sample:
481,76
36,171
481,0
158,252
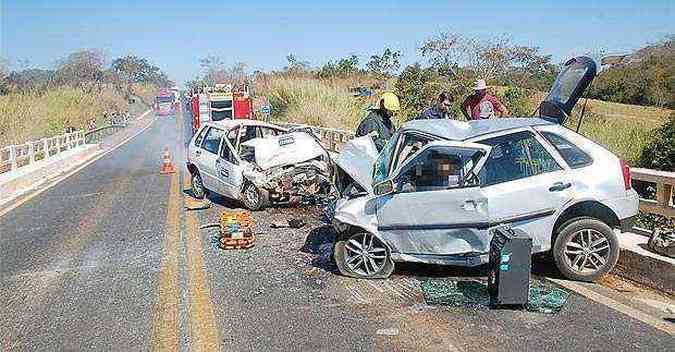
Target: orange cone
167,165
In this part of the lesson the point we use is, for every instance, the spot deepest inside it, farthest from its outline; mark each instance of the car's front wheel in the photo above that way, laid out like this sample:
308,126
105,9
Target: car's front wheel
585,249
254,198
197,185
362,255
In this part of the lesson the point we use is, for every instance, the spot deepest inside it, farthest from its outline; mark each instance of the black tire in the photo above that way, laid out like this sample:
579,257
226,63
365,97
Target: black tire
572,256
254,198
341,256
197,186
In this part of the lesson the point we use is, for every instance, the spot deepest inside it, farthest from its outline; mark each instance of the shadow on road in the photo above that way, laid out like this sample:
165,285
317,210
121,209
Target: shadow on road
320,240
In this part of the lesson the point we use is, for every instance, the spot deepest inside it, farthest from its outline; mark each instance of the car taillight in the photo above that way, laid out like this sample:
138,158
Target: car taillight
625,170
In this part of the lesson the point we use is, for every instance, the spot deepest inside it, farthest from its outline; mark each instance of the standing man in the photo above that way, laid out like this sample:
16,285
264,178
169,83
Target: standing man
438,111
378,122
481,105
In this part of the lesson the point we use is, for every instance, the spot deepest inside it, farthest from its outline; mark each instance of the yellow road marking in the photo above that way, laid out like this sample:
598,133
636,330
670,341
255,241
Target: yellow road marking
203,331
165,326
165,320
204,336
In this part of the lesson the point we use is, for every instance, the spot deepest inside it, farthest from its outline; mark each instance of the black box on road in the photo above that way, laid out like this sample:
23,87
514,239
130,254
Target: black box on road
510,264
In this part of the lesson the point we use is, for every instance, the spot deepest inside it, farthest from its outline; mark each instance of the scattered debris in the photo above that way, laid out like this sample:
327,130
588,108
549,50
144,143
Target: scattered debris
209,225
195,204
543,298
236,230
387,332
292,223
662,242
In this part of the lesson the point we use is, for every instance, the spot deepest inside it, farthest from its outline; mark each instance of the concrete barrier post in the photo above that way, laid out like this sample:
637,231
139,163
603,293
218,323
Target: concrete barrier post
31,153
45,147
12,157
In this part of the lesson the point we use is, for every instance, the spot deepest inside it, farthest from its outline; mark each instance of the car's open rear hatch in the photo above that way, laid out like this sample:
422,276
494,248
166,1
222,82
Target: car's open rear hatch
572,81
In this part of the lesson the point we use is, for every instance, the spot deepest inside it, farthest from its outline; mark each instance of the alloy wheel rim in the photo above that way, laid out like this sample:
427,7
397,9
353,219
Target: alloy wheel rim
251,196
587,251
198,185
365,254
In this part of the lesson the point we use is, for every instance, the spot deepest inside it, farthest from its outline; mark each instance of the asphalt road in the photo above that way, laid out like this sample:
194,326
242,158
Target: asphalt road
109,259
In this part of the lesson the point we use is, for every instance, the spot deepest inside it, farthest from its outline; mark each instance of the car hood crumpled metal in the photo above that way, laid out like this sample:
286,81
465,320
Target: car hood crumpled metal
357,158
287,149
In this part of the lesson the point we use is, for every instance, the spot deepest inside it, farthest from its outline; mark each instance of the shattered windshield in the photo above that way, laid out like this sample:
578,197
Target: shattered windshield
380,171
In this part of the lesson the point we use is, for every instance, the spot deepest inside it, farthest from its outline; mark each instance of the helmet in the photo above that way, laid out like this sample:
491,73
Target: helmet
390,101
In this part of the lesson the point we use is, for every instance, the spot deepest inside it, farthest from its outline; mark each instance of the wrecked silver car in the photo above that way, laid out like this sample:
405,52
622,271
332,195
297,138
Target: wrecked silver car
438,186
258,163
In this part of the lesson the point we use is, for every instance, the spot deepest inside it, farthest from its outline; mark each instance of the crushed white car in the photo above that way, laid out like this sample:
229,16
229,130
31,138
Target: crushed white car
258,163
438,187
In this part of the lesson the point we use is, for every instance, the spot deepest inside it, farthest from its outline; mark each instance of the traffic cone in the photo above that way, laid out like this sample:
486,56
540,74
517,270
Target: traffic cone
167,165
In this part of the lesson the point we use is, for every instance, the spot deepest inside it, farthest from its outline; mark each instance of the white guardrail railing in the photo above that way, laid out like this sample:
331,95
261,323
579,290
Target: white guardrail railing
331,138
15,156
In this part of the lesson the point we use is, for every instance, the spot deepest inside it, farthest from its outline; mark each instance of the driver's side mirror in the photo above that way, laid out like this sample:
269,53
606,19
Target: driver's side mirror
385,187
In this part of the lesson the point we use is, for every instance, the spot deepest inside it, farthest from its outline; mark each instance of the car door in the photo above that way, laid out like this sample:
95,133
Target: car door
206,159
229,170
437,207
525,185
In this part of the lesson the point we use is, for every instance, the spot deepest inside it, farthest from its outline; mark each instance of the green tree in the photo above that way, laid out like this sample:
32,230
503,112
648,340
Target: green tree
660,153
341,68
84,68
4,75
296,65
416,88
384,65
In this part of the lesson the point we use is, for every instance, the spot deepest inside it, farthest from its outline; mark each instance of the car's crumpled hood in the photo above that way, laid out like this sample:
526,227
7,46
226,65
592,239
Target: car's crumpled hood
357,158
287,149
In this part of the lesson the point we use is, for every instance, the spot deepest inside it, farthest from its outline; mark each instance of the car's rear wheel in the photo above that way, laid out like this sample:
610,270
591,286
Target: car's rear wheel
585,249
197,185
253,197
362,255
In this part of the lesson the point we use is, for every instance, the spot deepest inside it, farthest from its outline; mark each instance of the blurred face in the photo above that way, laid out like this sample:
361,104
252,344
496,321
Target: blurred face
445,105
481,92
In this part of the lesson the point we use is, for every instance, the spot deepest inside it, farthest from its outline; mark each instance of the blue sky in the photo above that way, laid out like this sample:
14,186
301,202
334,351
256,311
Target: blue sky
176,34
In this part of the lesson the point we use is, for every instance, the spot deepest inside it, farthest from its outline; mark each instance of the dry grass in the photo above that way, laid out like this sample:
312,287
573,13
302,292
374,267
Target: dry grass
37,115
312,101
623,129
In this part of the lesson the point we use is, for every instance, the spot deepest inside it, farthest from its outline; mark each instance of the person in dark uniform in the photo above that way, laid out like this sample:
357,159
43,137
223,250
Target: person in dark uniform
438,111
378,123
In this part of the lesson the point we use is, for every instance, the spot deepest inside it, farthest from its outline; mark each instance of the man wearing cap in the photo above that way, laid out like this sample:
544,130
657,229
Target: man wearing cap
378,123
438,111
481,105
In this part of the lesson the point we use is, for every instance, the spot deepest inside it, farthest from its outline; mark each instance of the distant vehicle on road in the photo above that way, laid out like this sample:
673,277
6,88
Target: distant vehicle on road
165,103
257,163
438,186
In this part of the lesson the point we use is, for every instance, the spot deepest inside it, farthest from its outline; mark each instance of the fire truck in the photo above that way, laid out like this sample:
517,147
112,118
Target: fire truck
221,103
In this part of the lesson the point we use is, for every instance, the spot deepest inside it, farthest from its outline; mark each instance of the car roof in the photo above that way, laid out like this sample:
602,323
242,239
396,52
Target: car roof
229,124
463,130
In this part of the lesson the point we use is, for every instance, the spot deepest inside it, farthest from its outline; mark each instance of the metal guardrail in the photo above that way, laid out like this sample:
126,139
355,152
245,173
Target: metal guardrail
15,156
97,134
665,183
332,138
